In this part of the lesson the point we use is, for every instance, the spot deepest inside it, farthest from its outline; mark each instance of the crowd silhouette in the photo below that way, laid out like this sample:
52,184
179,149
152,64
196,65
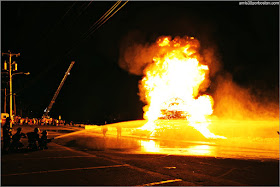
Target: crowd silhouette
43,121
12,142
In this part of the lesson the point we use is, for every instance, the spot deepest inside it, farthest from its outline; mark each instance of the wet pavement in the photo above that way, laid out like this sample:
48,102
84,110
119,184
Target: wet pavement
177,138
86,157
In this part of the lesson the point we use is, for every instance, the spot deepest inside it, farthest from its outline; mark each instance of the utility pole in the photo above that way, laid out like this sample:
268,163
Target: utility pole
15,109
10,80
5,101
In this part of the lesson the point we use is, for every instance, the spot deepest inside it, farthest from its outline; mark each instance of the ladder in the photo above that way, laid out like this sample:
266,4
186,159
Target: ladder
47,110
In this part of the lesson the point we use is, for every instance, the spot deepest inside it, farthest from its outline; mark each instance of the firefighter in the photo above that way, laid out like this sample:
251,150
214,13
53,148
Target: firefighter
7,134
16,140
44,140
104,129
33,138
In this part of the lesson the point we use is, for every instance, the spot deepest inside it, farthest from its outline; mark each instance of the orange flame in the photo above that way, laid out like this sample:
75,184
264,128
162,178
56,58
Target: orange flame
171,85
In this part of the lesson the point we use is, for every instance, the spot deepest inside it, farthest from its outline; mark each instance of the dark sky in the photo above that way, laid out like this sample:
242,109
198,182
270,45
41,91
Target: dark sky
49,36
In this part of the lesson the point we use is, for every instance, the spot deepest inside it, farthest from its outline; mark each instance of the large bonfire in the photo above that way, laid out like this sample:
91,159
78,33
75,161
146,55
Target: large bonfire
172,83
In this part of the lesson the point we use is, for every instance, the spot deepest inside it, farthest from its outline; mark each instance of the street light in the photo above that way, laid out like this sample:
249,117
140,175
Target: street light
27,73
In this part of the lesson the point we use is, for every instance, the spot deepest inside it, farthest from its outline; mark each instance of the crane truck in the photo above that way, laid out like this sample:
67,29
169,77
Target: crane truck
48,109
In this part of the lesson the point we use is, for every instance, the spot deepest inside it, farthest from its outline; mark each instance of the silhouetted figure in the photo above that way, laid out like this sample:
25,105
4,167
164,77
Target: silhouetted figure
53,122
104,129
7,134
33,138
16,143
44,140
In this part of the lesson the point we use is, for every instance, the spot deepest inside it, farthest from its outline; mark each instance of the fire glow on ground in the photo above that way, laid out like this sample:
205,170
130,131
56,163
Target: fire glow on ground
176,137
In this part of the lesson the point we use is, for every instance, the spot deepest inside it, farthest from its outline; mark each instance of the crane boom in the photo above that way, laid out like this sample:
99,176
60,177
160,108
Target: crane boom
47,110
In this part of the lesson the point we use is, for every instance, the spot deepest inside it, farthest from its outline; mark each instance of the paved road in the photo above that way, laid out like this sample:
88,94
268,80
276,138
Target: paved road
61,165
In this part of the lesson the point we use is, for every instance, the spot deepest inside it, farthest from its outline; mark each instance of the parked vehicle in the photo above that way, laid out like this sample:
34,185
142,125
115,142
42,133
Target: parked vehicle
3,118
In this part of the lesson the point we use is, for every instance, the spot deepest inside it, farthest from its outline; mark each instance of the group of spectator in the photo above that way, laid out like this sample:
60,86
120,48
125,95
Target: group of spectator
43,121
12,142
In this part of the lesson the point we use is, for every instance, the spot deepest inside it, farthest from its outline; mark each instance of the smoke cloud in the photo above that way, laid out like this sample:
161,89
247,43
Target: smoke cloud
136,54
231,101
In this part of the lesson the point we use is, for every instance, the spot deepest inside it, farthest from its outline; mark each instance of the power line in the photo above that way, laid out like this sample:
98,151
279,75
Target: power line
103,17
46,70
66,13
83,9
106,19
84,36
46,35
100,22
91,30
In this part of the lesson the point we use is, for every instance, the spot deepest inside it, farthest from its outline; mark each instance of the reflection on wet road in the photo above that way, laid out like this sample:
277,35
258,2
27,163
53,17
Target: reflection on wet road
154,146
180,139
151,146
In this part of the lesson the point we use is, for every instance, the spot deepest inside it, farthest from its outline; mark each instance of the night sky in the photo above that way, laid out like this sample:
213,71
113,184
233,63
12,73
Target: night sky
49,36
